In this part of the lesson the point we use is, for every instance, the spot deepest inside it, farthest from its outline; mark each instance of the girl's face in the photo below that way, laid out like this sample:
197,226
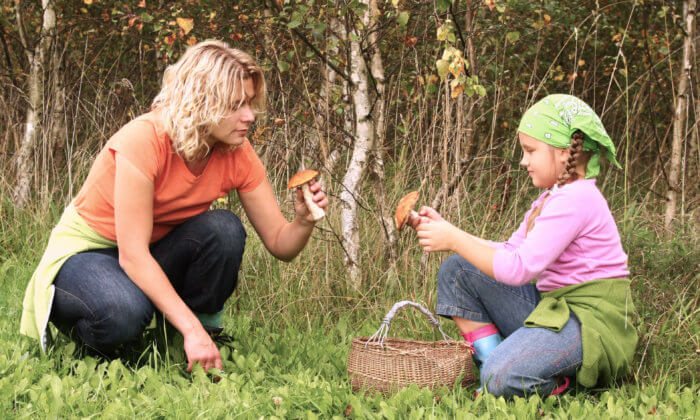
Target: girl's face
233,129
543,162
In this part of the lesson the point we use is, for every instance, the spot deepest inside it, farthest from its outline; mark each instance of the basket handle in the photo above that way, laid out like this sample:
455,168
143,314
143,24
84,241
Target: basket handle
383,330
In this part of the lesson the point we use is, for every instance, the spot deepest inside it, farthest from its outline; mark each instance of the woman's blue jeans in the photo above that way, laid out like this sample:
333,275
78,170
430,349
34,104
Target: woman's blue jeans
529,360
96,299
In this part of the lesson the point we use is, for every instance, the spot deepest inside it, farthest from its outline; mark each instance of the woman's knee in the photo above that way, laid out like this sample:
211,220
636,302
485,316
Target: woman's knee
115,322
225,230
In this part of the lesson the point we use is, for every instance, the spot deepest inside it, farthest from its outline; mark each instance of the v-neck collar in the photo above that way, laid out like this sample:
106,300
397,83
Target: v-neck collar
189,174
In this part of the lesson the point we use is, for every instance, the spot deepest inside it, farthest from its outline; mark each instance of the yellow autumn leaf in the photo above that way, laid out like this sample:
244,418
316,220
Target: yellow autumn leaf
185,23
457,90
88,2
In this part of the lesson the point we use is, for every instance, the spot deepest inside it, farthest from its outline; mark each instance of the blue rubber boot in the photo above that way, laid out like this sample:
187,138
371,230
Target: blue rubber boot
484,340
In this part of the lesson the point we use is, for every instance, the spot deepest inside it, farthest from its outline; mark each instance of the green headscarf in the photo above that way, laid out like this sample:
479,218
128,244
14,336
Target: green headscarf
556,117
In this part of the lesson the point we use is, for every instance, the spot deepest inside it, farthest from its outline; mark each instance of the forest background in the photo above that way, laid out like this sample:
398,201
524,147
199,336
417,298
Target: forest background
382,97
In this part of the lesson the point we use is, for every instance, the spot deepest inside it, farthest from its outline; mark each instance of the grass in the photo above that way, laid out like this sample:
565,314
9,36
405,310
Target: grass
293,324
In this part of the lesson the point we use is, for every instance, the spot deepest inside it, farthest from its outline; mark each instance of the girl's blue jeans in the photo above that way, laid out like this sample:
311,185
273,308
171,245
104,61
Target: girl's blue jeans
529,360
98,302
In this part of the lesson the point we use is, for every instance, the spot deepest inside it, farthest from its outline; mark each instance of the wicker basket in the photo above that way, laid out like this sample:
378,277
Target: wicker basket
386,365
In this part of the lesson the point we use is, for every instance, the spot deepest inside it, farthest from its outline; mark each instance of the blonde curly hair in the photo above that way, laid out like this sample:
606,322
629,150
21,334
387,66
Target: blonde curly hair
200,89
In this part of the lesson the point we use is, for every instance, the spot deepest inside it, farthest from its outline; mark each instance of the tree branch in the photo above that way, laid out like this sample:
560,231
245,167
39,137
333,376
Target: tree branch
308,43
7,53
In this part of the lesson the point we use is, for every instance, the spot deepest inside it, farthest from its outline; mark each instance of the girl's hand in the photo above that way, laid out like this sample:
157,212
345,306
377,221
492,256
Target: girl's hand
434,232
303,213
199,347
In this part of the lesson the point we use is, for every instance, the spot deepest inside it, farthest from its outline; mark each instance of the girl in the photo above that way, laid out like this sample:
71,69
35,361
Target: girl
575,320
138,236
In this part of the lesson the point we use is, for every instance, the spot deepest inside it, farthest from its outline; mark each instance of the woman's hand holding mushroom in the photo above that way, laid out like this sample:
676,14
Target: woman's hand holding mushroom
434,232
318,197
310,199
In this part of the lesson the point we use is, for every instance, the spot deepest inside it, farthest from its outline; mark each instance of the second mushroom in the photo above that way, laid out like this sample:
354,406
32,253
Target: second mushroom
405,208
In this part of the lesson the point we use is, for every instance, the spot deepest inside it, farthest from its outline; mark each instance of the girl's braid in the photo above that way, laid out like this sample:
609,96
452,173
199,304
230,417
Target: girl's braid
574,149
569,173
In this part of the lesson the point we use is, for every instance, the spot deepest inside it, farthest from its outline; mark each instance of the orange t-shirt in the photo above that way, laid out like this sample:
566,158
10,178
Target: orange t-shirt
178,195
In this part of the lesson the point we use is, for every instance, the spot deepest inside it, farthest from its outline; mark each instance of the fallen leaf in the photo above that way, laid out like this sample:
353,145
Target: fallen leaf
191,40
490,3
142,3
279,121
170,39
88,2
185,23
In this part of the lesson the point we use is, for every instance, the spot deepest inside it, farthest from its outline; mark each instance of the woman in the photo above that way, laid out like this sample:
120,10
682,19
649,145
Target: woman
138,236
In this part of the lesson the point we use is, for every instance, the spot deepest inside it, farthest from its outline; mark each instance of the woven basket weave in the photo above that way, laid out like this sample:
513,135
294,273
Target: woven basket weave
386,365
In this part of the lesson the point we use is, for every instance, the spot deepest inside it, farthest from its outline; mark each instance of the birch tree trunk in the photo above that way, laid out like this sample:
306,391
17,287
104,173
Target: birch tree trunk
35,86
352,182
377,70
680,112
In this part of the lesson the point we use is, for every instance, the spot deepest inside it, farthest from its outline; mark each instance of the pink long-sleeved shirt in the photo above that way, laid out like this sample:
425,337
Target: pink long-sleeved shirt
574,240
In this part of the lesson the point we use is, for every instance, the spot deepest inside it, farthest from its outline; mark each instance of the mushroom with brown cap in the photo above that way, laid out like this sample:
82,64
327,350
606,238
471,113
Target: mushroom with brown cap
405,208
302,179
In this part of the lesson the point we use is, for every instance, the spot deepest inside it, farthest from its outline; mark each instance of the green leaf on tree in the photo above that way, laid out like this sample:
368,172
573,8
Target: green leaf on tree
443,5
512,37
442,68
282,66
402,19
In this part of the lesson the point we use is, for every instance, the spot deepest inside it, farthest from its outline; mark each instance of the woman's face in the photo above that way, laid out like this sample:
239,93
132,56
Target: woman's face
543,162
233,129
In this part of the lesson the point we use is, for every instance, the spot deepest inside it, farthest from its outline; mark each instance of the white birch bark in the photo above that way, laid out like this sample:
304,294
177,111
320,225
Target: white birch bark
377,70
352,182
680,112
35,86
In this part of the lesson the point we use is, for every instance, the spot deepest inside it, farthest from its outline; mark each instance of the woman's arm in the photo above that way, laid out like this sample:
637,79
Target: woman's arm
133,214
283,239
